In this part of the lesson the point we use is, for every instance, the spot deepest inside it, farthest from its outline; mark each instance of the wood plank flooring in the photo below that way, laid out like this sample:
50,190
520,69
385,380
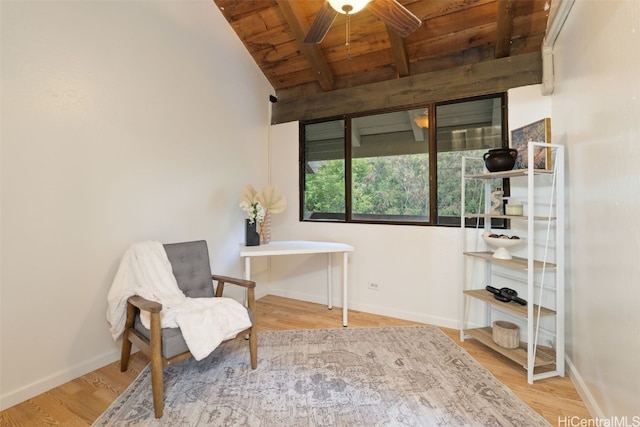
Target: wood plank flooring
81,401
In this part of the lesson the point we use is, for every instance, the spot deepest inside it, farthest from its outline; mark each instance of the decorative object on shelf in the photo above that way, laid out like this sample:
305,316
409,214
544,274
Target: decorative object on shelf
274,202
500,159
251,236
265,229
255,213
259,206
506,334
496,201
539,131
501,242
514,207
506,295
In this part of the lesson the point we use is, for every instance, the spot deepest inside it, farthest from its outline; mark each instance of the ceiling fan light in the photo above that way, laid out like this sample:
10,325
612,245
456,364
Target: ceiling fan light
348,6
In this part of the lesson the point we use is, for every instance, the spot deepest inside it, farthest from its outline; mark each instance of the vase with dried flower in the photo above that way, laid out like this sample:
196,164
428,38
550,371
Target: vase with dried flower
255,213
271,200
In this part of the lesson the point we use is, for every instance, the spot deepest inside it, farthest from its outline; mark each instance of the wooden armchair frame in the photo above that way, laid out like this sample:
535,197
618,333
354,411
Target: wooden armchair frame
153,348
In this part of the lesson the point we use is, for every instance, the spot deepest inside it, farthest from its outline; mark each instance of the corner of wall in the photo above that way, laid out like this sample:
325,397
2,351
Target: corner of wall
582,389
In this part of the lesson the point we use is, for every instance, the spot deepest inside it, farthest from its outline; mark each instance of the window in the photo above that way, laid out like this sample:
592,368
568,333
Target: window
400,167
464,129
324,171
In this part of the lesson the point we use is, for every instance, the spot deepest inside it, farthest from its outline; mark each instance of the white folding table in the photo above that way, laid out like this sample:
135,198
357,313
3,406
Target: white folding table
300,247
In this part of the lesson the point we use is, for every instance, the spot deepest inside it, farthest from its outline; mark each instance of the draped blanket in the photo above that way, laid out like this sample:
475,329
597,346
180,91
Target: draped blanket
146,271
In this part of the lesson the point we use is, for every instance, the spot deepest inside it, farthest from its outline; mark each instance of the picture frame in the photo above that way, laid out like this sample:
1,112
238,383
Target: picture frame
539,131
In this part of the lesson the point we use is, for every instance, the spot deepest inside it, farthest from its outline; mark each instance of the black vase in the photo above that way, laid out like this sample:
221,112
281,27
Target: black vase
251,236
500,159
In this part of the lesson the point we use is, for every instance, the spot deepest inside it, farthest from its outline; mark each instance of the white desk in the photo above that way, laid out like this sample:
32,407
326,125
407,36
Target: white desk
300,247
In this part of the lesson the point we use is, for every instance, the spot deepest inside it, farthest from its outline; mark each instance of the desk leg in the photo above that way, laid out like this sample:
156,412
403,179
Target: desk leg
329,283
345,262
247,275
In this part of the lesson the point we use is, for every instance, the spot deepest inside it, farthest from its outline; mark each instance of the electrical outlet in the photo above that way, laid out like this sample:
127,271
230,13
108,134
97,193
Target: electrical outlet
374,286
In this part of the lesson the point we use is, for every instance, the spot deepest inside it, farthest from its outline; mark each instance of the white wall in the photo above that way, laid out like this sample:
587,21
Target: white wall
527,105
596,114
121,121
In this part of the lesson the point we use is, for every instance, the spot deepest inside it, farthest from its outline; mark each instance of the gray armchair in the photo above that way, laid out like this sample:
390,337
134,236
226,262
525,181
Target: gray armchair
190,265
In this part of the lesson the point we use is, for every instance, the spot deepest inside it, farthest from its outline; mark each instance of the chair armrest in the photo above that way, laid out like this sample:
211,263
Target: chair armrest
249,284
145,304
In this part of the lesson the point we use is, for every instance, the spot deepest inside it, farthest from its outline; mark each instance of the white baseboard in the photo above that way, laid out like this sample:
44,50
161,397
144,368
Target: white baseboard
582,389
261,292
45,384
374,309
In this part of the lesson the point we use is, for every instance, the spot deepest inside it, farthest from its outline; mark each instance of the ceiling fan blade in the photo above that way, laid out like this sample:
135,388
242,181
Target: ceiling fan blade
395,15
321,24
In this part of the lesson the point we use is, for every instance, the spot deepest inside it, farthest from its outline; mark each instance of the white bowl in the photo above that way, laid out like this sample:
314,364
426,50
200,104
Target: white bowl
501,245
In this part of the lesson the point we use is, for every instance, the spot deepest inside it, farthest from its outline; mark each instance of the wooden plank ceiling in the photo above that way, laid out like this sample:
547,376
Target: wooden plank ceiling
453,34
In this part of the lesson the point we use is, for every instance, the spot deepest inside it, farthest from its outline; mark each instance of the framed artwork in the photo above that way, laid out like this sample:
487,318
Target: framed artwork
539,131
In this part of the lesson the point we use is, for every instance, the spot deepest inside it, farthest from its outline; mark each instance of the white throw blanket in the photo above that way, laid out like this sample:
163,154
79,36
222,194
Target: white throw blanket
145,270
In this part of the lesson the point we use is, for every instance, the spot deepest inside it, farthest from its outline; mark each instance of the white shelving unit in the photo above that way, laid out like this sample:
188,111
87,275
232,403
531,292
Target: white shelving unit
537,270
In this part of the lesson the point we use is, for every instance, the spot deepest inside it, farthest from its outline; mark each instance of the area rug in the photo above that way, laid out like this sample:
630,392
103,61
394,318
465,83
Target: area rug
391,376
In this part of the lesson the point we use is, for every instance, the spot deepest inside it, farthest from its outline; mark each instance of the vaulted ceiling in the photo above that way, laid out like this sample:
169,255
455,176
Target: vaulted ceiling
454,35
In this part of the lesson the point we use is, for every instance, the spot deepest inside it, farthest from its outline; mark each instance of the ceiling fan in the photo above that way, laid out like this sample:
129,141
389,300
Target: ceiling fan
390,12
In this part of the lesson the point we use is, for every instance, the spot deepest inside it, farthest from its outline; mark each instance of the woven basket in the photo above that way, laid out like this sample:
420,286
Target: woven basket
506,334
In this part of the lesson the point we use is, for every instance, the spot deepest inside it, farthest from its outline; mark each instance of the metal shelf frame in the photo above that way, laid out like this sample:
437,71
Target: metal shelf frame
528,355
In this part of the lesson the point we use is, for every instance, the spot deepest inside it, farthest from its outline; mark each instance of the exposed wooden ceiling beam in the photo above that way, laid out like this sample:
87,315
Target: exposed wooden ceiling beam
482,78
399,52
295,19
506,12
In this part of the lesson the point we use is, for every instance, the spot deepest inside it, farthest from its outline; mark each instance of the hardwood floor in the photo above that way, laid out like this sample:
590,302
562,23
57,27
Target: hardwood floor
81,401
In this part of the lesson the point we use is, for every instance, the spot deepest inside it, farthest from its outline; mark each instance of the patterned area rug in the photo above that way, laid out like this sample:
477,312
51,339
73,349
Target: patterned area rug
393,376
